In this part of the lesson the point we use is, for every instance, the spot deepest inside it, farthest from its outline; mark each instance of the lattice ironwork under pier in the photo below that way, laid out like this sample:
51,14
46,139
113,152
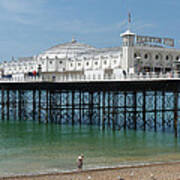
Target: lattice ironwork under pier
126,105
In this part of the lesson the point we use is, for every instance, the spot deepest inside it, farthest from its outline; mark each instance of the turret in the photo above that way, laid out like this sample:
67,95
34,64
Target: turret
128,50
128,38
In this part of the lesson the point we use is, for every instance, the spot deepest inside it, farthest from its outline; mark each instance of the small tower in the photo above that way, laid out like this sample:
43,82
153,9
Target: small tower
128,39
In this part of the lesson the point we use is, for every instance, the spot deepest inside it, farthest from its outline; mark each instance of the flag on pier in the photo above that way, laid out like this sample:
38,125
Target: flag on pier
129,17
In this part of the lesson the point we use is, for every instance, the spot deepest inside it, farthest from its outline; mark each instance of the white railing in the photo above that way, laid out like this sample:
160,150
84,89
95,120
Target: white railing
91,78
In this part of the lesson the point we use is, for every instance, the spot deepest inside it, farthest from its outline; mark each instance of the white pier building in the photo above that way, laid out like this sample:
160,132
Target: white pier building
138,56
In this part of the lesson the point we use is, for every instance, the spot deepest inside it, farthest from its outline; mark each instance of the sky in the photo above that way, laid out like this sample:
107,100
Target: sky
28,27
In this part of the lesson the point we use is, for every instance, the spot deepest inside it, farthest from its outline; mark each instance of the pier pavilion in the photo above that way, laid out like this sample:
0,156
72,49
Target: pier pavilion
134,86
142,55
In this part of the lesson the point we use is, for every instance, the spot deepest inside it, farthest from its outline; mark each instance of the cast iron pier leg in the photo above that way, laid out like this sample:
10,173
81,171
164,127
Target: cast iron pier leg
2,103
47,105
125,110
175,112
135,112
73,109
155,111
34,104
144,110
39,106
8,104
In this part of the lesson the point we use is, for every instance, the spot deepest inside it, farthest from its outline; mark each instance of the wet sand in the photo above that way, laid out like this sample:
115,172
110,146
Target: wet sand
165,171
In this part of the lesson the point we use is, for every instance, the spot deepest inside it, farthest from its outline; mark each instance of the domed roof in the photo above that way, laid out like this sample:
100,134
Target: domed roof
68,50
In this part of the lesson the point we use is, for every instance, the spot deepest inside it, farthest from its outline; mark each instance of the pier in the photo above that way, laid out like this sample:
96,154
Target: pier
139,103
135,86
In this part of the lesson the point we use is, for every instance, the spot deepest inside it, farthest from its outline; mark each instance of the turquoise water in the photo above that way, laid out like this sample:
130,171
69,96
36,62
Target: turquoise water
27,147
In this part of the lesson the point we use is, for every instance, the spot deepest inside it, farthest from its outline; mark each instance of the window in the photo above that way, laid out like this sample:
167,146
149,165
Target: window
177,58
60,62
115,61
135,55
167,57
145,56
157,57
105,62
96,63
79,64
87,63
71,64
50,62
56,57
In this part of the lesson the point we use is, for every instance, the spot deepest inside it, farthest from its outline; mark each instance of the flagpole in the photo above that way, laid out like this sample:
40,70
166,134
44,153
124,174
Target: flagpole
129,20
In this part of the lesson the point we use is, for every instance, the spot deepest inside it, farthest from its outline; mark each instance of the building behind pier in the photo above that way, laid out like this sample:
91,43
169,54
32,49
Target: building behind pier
137,55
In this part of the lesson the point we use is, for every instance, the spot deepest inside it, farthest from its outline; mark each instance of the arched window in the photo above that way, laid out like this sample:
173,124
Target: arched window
157,57
146,56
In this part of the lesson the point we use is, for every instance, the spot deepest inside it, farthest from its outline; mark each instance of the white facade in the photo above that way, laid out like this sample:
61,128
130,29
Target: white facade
74,58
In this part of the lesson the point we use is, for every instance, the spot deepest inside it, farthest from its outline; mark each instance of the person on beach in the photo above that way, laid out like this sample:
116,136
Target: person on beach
80,162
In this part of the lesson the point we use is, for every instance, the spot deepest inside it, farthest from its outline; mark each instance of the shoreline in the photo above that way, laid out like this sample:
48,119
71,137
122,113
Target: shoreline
92,170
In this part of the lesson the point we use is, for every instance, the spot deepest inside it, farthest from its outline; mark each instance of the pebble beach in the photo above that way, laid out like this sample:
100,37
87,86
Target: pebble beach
165,171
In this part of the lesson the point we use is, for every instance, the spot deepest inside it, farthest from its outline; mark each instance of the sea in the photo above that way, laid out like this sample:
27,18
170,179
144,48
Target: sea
27,147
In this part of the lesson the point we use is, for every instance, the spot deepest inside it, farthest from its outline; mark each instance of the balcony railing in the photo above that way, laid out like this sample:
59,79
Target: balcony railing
92,78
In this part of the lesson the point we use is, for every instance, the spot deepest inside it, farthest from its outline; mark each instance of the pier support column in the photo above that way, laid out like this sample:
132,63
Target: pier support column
2,103
7,104
34,105
80,108
39,106
109,107
155,111
114,111
19,105
144,110
14,104
73,107
60,103
83,105
175,112
135,109
47,105
50,105
125,110
103,111
99,108
67,106
91,108
163,110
